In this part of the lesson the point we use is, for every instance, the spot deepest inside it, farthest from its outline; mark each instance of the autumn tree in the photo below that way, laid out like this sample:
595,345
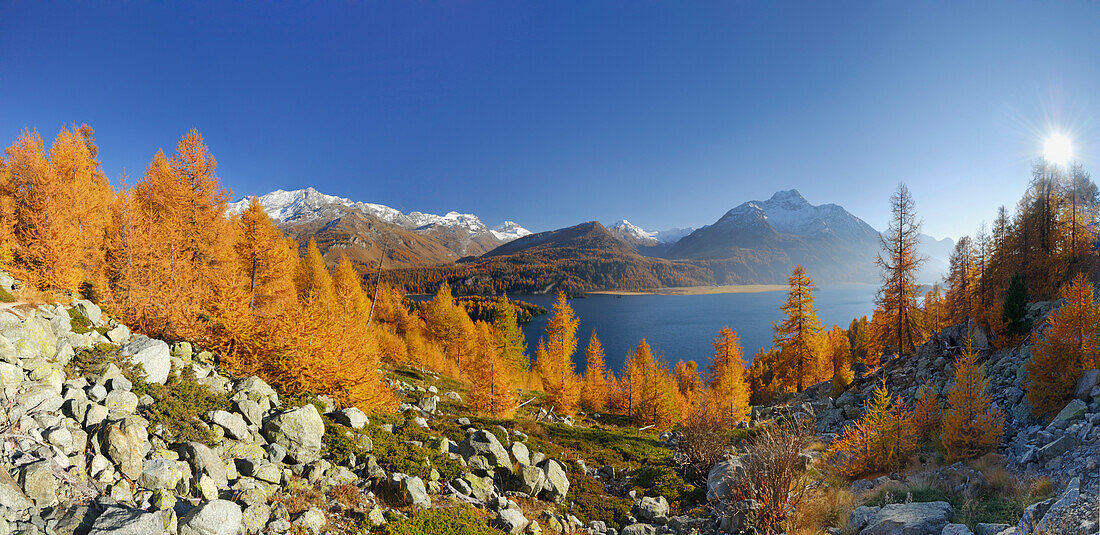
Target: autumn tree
728,390
1070,345
448,324
959,279
927,415
762,376
595,392
972,426
880,440
934,309
859,339
556,366
509,338
900,260
492,390
689,388
656,404
839,354
796,336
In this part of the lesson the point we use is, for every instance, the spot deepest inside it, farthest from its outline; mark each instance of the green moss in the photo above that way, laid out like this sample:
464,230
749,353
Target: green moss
462,520
6,296
78,322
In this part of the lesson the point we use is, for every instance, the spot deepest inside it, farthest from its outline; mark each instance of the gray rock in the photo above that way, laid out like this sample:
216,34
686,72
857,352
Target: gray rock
639,529
409,490
557,484
860,516
521,453
299,431
312,520
89,310
125,521
652,510
123,442
204,461
428,404
233,423
956,529
161,474
39,483
1056,448
485,444
153,356
510,521
120,334
255,517
77,518
918,518
121,402
989,529
719,476
216,517
12,496
1074,410
1089,379
351,417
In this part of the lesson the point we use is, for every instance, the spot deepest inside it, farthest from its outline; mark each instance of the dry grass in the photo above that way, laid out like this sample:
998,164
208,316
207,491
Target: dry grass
773,473
301,499
347,495
822,508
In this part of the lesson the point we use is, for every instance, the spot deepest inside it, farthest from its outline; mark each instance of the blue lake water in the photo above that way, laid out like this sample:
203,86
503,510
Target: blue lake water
683,326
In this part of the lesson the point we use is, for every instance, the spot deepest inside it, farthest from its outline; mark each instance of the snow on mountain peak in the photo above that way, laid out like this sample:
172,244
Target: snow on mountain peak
789,212
308,204
508,231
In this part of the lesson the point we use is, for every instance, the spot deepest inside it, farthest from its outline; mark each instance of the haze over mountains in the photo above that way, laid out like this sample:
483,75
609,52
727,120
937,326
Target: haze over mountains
755,242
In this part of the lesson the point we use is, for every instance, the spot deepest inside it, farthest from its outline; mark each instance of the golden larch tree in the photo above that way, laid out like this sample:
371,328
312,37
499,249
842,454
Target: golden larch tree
1070,346
492,390
595,393
927,414
727,389
796,336
900,261
882,439
972,426
557,371
656,402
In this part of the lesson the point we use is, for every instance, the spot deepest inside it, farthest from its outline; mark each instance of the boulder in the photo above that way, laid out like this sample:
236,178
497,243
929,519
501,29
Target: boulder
1089,379
510,521
351,417
299,431
39,483
409,490
529,480
639,529
428,404
216,517
521,453
956,529
989,529
917,518
1074,410
117,520
719,476
89,310
485,444
153,356
233,423
162,474
1056,448
204,461
12,496
860,516
123,442
311,520
557,484
652,510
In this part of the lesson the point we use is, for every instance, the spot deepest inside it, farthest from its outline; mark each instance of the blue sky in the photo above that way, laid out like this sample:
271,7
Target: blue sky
664,113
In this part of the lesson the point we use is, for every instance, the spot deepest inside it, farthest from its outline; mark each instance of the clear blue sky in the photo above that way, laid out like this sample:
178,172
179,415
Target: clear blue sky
665,113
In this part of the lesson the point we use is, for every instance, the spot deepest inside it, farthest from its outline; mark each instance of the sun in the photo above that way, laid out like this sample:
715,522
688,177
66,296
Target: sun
1058,149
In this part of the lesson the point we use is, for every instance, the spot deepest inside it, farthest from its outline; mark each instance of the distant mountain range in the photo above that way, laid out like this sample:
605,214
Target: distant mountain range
755,242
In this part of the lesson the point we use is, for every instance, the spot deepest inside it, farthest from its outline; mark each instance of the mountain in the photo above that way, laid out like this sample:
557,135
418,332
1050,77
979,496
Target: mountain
362,230
633,234
785,230
581,258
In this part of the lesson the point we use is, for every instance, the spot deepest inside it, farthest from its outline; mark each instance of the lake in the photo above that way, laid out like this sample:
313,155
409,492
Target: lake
683,326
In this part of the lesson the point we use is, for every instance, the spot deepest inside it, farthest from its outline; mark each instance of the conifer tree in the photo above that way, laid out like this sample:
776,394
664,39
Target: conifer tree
1070,346
927,415
880,440
840,359
446,322
1014,310
689,388
492,390
796,336
900,260
859,339
73,159
356,379
934,309
655,398
509,338
558,375
972,426
726,382
761,376
595,393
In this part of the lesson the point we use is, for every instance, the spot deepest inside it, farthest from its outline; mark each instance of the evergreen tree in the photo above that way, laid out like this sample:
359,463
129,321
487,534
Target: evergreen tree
840,357
882,439
1014,310
656,404
927,415
796,336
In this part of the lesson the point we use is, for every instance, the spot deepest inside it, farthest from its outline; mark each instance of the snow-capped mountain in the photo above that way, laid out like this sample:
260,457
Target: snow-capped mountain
509,230
632,234
789,213
305,205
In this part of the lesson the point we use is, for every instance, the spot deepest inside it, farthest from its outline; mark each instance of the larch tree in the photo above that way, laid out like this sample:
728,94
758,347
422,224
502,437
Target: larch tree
726,384
357,380
509,337
557,371
882,439
859,339
959,278
1070,345
689,388
446,322
595,393
762,377
492,390
972,426
797,335
73,158
317,336
927,414
900,261
46,240
934,309
840,359
656,402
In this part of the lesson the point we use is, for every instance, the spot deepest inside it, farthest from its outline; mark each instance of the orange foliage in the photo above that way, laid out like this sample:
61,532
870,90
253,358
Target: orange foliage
1070,346
555,361
595,393
491,391
880,440
728,390
971,425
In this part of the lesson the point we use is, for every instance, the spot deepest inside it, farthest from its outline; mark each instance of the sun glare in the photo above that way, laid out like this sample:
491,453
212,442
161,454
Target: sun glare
1058,149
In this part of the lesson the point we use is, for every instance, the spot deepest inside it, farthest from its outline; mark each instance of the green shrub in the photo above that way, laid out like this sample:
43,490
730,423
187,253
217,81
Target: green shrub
394,454
6,296
588,499
462,520
178,405
78,322
661,480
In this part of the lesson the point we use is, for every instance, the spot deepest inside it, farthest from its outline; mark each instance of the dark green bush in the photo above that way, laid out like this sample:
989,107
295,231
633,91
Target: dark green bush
587,499
461,520
178,405
661,480
394,454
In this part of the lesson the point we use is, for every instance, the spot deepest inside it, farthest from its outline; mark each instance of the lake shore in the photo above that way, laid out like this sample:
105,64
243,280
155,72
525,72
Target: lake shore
700,290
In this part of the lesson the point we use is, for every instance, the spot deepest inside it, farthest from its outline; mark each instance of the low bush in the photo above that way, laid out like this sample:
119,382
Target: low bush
178,405
659,480
395,454
588,499
461,520
773,474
